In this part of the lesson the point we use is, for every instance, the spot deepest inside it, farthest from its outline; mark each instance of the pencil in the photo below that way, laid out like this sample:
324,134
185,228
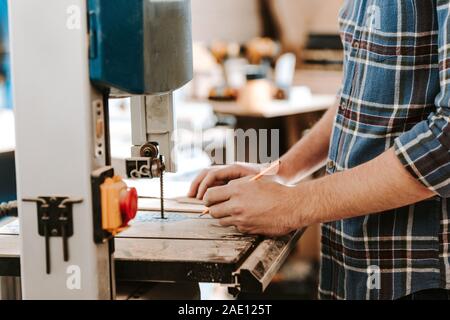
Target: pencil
255,178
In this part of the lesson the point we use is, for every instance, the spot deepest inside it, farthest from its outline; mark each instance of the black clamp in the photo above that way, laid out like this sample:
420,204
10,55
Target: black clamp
55,220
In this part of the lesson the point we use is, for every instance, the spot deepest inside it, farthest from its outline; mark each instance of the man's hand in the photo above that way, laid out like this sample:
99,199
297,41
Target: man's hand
219,176
260,207
268,208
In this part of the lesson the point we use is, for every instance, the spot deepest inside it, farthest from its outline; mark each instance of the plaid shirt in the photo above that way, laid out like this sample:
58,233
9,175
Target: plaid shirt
395,93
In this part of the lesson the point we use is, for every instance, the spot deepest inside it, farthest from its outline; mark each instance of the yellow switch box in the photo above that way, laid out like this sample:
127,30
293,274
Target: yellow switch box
111,192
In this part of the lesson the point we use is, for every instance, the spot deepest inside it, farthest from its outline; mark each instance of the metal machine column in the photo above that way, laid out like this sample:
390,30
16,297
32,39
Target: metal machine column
153,120
68,58
55,107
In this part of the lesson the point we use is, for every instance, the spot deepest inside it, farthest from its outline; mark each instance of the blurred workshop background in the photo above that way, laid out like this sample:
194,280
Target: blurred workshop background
259,64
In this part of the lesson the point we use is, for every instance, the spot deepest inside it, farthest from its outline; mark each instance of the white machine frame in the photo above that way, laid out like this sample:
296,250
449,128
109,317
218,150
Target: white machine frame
57,145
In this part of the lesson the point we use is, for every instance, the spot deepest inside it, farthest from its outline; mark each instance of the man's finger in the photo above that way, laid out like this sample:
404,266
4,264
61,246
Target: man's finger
221,210
206,183
222,175
227,222
228,173
196,183
217,195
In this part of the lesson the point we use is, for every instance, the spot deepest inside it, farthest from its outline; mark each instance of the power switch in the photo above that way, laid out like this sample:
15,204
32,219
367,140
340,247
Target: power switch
128,205
119,205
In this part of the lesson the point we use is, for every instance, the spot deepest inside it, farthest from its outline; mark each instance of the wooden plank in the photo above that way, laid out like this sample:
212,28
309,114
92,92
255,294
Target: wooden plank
187,200
180,226
176,226
170,205
9,226
149,188
174,250
9,246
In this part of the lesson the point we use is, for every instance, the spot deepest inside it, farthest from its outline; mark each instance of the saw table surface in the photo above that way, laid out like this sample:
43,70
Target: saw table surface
185,247
181,247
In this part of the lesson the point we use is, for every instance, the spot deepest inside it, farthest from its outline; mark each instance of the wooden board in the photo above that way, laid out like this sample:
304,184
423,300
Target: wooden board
9,246
9,226
180,226
176,226
170,205
149,188
187,200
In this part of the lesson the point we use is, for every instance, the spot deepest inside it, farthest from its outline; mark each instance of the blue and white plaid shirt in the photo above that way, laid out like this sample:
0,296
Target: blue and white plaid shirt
396,93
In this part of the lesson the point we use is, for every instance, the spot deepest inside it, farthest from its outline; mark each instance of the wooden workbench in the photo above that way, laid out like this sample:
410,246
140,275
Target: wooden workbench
323,85
291,117
278,108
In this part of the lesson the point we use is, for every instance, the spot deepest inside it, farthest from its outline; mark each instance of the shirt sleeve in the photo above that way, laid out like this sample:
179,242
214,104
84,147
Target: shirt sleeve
425,150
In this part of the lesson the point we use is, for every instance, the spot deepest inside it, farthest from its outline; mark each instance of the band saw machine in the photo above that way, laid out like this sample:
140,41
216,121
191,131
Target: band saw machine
80,232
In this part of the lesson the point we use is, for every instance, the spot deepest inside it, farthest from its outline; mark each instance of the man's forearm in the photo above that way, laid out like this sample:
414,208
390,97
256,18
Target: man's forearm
310,153
379,185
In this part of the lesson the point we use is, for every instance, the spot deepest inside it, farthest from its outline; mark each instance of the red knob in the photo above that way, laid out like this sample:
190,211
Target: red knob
129,206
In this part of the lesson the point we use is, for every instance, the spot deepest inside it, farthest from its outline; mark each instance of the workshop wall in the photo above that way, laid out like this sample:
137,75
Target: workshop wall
298,18
237,20
230,20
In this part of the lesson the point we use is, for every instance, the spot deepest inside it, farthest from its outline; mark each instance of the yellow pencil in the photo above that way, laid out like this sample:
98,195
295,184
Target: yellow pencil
255,178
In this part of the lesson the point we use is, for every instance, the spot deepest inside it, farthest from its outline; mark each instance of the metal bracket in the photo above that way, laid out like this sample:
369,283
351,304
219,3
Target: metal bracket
55,219
150,164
